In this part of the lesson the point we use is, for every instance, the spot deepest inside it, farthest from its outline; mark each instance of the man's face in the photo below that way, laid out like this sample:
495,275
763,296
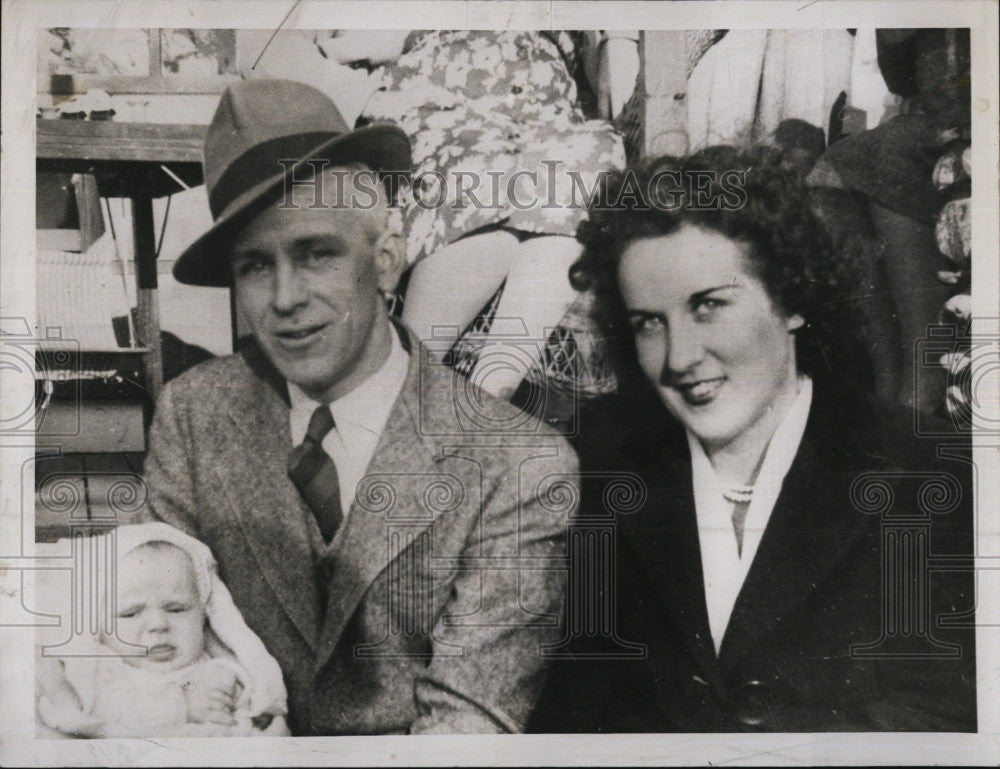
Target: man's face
309,283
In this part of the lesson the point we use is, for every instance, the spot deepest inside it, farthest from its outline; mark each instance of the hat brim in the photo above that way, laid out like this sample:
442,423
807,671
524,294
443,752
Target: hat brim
381,147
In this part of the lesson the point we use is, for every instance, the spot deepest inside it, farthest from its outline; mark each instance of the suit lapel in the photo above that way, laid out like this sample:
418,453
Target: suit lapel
402,462
663,535
262,497
812,525
664,539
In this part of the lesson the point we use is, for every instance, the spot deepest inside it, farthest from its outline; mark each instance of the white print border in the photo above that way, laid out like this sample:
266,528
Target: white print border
20,22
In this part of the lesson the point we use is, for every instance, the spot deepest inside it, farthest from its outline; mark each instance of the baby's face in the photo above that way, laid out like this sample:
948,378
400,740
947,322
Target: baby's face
159,608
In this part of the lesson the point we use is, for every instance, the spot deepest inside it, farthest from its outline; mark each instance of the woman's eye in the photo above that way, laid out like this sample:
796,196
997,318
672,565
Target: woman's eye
705,308
176,608
647,325
127,614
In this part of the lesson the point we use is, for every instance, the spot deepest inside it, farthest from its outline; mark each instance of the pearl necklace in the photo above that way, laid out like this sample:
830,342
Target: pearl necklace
738,495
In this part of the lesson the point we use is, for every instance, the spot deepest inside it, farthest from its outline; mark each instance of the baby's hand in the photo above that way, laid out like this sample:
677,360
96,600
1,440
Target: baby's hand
210,694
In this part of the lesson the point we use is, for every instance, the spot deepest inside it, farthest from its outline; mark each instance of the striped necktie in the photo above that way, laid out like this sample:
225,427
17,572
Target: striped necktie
314,474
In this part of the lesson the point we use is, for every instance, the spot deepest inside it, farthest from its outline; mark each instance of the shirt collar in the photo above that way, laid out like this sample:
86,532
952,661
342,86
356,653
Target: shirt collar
366,408
784,444
780,452
724,570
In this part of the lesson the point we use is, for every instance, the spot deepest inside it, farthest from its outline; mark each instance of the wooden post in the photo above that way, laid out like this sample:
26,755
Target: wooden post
155,53
88,206
148,308
663,60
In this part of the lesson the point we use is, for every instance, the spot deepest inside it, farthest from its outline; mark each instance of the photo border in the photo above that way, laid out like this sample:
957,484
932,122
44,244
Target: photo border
20,23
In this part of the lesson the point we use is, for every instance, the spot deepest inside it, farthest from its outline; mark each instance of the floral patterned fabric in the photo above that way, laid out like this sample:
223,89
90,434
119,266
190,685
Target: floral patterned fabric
952,177
491,104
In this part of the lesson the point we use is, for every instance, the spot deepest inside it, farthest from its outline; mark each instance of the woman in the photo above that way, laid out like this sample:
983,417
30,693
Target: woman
749,559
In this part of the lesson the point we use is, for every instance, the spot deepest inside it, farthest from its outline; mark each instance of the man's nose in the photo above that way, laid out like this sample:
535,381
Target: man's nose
290,289
685,349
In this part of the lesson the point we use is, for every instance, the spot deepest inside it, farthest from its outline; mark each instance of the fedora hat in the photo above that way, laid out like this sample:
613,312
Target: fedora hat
257,124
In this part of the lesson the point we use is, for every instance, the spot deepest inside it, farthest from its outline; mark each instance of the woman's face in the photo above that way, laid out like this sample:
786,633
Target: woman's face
718,350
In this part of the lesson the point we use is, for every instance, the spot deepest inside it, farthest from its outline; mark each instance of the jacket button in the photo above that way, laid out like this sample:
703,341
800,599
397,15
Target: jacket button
516,89
750,705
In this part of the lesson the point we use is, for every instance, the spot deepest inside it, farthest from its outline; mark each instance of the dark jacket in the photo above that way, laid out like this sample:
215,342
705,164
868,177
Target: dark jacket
807,648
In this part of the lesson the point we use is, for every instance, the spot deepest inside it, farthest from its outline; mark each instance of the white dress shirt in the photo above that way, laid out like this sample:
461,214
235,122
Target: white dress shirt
360,418
724,568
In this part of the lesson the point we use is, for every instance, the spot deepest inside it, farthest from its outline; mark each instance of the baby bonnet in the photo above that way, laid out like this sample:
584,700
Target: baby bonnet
268,693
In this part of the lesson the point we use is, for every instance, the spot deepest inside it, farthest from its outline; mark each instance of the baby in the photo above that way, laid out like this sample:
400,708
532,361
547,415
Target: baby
172,666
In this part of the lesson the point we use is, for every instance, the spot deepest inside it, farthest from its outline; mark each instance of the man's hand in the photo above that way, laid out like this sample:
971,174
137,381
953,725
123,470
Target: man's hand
210,694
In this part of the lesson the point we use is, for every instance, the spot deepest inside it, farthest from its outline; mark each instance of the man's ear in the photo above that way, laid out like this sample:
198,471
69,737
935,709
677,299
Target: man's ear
390,258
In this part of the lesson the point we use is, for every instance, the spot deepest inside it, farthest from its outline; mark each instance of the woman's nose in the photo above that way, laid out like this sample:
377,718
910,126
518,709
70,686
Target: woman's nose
290,288
685,349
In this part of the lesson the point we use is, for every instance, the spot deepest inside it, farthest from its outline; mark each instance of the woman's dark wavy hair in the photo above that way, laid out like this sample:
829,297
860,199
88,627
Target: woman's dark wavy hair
750,196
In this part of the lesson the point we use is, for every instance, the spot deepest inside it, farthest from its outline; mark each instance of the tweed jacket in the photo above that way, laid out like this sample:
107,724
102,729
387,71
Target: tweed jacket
820,638
446,581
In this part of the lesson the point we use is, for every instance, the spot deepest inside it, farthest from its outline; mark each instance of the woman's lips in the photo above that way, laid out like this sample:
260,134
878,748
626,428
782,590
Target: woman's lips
700,392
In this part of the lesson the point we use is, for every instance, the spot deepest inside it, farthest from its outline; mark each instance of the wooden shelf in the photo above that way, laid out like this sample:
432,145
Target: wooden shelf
84,140
144,85
125,157
130,160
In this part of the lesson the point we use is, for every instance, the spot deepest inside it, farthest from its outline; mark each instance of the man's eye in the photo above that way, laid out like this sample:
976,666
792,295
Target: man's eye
248,267
647,325
177,608
320,256
128,613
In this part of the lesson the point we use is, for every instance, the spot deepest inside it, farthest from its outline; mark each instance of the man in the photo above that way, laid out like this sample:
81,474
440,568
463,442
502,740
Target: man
390,551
